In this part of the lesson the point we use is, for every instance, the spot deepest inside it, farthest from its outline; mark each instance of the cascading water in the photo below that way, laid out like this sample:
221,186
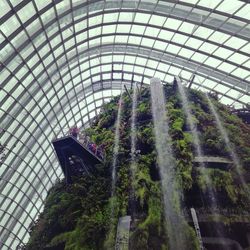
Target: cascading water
196,139
171,191
191,124
133,131
110,241
133,147
116,144
228,143
199,152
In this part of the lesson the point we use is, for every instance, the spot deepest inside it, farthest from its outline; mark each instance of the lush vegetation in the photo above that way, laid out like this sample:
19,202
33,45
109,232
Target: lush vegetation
77,216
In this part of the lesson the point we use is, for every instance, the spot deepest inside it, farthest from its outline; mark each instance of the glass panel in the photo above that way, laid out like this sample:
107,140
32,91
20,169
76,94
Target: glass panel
4,8
229,6
223,53
238,58
209,3
26,12
41,4
235,42
10,26
244,12
203,32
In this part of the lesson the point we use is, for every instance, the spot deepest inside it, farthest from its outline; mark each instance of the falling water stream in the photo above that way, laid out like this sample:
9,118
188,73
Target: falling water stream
191,124
196,140
228,143
112,227
116,144
170,189
199,152
133,147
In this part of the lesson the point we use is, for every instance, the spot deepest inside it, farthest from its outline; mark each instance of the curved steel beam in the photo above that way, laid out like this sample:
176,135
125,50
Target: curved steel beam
197,16
156,54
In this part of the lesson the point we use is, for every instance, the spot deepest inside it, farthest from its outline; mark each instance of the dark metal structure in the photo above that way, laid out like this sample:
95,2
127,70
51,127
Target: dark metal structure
243,113
74,157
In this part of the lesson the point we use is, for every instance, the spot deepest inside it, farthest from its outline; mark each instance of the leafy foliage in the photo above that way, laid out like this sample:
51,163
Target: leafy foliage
77,216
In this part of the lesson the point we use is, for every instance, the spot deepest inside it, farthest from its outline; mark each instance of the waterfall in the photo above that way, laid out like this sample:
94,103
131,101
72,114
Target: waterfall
116,144
133,130
133,147
190,121
196,140
171,191
199,152
110,241
228,143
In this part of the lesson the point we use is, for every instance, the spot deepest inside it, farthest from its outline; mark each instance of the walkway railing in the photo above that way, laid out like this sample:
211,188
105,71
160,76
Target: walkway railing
86,142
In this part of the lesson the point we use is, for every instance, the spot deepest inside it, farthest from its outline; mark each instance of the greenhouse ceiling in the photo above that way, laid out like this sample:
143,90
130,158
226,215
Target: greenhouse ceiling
62,59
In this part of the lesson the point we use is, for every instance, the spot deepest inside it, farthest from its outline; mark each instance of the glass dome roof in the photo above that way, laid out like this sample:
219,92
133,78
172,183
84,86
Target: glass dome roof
62,59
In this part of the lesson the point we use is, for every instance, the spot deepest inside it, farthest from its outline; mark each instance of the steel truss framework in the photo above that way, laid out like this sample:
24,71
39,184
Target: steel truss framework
62,59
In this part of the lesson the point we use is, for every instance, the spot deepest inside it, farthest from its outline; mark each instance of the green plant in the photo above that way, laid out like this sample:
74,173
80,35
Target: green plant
83,216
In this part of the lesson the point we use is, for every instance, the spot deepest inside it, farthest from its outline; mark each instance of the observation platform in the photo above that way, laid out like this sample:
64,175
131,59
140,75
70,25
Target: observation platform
243,113
214,161
207,215
75,157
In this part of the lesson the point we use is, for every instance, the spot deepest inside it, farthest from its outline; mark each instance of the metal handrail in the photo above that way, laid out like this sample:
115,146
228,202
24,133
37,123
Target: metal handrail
84,142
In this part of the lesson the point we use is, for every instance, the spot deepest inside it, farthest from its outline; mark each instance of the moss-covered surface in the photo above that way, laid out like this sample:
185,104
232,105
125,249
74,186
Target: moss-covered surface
77,216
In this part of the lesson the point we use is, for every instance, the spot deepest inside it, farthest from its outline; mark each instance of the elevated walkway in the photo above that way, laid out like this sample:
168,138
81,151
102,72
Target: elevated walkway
243,113
74,157
214,162
122,235
221,243
212,159
207,215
